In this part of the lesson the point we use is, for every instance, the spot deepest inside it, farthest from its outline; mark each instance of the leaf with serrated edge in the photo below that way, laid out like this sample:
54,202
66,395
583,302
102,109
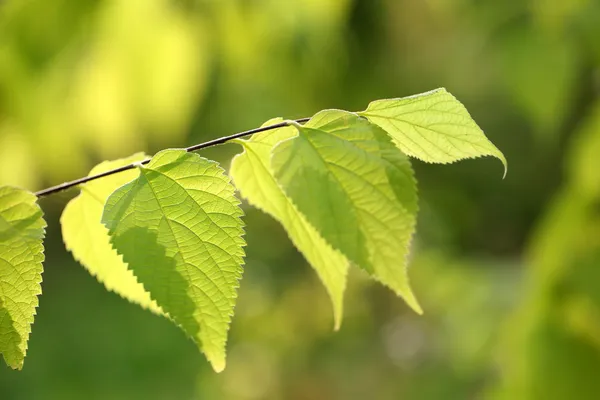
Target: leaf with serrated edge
179,227
434,127
87,238
357,189
252,175
22,230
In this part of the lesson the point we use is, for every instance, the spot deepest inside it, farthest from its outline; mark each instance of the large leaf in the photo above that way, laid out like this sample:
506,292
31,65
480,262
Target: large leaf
178,227
357,189
21,256
88,240
433,127
251,172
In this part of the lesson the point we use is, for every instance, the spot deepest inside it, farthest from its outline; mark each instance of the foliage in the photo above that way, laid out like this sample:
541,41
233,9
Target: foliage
90,80
432,127
89,240
367,200
21,257
253,176
178,226
176,230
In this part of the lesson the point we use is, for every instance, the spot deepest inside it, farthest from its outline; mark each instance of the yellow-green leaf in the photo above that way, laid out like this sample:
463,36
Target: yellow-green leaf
178,226
251,172
21,256
357,189
87,238
433,127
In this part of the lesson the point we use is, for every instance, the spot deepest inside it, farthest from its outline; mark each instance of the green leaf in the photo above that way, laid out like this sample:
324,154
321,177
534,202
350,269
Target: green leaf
251,172
21,257
179,227
357,189
88,240
433,127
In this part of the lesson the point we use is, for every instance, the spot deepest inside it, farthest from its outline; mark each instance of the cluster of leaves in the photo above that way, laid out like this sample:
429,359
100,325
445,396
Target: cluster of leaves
168,235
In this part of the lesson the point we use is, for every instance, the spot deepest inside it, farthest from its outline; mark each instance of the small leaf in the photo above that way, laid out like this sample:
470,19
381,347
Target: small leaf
178,227
88,240
433,127
357,189
251,172
21,257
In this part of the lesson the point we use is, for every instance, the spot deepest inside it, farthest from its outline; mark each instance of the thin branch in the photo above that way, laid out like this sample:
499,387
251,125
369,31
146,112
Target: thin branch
210,143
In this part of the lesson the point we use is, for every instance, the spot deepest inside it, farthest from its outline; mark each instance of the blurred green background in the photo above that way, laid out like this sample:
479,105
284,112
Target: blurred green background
508,272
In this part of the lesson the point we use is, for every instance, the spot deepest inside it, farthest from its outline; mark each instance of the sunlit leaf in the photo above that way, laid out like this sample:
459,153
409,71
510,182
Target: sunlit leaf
433,127
21,256
178,227
356,189
88,240
251,172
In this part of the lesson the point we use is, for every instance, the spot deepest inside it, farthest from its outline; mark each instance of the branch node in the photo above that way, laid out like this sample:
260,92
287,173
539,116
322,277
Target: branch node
291,122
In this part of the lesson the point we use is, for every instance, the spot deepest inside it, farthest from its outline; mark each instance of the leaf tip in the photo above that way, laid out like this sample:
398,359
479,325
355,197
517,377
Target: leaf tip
417,308
337,323
412,301
502,159
15,364
218,364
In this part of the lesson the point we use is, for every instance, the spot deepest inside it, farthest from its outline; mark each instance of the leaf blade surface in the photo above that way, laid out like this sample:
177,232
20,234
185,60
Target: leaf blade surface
252,174
433,127
357,189
22,230
179,228
88,240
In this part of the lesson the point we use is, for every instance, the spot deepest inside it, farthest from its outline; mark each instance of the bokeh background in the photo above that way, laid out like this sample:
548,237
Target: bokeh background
508,271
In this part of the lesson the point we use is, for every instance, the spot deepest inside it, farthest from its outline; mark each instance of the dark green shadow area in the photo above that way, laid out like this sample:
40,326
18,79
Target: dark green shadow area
10,341
158,273
319,195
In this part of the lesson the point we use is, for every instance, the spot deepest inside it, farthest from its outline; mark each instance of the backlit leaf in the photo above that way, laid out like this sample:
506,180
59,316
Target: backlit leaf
433,127
357,189
178,226
87,238
21,256
251,172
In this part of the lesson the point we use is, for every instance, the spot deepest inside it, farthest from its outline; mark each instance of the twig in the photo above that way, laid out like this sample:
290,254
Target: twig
210,143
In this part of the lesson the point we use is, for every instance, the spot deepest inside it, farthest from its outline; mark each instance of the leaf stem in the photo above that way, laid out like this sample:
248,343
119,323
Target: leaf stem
210,143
